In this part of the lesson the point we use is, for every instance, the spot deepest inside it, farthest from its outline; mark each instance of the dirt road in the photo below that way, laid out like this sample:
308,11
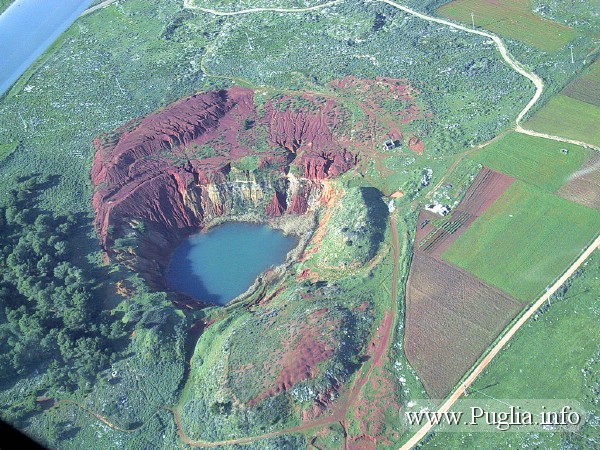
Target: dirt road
377,350
97,7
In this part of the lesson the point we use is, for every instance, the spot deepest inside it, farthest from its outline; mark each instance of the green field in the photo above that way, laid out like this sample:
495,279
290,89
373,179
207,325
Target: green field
554,355
7,149
593,72
586,88
4,4
570,118
511,18
525,240
534,160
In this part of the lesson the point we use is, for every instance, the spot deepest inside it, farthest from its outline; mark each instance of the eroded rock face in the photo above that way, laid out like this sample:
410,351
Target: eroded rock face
228,153
162,177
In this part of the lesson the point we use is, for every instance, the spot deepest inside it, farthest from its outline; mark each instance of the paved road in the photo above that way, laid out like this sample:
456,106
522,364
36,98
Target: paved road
502,343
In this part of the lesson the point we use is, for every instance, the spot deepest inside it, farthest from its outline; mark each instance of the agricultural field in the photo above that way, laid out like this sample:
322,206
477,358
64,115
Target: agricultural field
567,117
524,240
555,355
584,185
435,235
586,87
534,160
319,340
514,19
451,318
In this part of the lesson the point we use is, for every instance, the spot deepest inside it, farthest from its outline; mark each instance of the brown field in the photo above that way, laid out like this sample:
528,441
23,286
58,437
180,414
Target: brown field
451,318
487,187
584,185
585,90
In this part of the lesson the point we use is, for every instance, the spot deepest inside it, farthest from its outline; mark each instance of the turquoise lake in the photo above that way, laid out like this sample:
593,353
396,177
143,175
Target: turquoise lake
221,264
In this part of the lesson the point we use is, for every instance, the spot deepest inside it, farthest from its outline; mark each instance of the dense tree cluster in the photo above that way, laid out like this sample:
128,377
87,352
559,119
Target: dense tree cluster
51,317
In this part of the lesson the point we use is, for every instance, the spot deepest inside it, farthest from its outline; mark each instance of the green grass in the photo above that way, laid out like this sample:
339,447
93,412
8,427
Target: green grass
570,118
593,72
554,355
586,88
4,4
514,19
525,240
7,149
534,160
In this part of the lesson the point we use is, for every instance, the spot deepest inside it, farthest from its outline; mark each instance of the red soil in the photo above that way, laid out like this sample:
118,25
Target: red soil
416,145
452,316
300,360
155,169
487,187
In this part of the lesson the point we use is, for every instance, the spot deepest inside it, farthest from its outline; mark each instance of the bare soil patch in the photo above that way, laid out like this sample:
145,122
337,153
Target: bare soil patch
434,236
451,318
584,185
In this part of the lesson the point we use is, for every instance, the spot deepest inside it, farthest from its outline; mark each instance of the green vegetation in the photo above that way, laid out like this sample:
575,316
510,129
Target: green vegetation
581,14
472,92
52,318
355,231
237,5
64,335
525,240
4,4
567,117
7,149
124,355
514,19
554,355
537,161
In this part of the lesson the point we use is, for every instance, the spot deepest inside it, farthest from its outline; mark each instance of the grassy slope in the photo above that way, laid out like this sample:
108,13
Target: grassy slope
550,357
524,240
4,4
7,149
534,160
569,118
514,19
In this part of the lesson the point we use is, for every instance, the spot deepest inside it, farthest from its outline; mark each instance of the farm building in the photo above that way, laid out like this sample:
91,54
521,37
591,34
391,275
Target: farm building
442,210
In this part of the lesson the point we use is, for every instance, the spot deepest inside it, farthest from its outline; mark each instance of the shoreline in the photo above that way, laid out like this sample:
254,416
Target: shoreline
301,227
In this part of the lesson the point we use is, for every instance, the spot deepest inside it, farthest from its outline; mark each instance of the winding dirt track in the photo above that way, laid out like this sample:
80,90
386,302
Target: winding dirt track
381,343
97,7
506,56
339,414
539,89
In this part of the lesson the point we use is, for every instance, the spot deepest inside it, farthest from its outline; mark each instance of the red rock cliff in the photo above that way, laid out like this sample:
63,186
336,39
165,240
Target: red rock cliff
161,177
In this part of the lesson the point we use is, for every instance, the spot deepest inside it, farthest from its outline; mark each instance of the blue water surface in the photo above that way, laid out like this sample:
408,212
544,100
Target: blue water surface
221,264
27,28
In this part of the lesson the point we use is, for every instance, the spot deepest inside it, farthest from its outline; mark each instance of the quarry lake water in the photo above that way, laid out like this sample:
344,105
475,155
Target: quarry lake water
221,264
28,28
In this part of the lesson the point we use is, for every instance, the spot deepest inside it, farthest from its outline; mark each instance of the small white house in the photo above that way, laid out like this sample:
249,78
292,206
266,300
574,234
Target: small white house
442,210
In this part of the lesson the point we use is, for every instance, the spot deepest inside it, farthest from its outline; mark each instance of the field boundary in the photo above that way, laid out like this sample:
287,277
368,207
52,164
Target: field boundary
461,389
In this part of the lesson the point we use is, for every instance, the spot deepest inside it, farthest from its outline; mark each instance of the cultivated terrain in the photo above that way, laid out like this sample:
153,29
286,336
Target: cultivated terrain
440,171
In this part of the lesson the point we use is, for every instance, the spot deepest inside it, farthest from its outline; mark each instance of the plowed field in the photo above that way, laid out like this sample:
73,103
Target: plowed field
451,318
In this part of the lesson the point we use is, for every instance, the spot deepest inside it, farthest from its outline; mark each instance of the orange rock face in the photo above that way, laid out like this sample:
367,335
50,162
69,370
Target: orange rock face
169,173
159,178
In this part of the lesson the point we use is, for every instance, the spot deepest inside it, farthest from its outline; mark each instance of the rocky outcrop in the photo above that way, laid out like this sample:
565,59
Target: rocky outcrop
162,177
277,205
223,154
